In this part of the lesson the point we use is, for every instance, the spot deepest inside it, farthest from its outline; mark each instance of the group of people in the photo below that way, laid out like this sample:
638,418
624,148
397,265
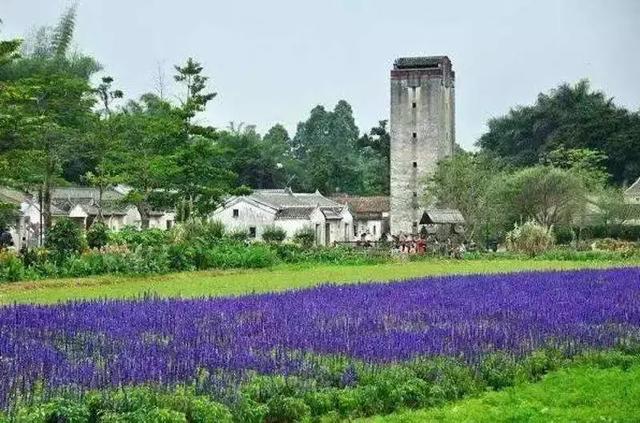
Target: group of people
421,244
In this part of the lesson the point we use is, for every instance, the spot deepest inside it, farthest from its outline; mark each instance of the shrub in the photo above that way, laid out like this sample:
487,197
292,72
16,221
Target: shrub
240,235
529,238
564,234
98,235
274,234
198,230
11,268
133,237
305,237
616,245
65,238
498,370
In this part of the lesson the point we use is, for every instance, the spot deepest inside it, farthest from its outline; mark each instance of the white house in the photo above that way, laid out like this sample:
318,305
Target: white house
331,222
370,215
79,204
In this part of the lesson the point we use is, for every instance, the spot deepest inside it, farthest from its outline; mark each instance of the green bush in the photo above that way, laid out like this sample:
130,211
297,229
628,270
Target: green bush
239,235
11,268
274,234
498,370
529,238
65,238
98,235
305,237
198,230
129,404
133,237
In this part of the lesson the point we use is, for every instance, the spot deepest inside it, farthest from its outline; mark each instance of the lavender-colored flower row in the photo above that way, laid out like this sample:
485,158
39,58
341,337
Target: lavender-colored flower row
107,343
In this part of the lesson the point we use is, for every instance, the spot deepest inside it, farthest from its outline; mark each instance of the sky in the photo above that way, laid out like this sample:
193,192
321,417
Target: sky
273,61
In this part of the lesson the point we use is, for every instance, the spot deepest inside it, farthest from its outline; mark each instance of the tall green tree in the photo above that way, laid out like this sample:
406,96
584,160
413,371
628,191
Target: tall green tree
50,109
464,182
374,153
571,117
326,145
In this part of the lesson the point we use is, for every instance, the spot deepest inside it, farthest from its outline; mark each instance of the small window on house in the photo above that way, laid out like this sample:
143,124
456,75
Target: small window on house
252,232
355,230
414,105
236,213
415,164
415,194
375,230
415,135
169,224
415,227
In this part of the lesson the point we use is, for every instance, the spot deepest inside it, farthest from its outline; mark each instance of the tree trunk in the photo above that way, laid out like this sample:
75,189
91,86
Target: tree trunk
144,211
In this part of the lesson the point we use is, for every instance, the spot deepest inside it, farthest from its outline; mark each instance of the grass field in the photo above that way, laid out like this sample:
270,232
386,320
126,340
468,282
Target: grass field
579,394
239,282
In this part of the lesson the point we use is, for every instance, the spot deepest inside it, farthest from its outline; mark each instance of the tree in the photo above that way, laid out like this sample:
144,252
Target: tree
548,195
49,109
195,84
149,132
572,118
375,160
464,182
326,145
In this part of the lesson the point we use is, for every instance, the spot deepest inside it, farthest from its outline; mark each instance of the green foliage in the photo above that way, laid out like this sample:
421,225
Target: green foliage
11,268
97,235
568,118
65,238
133,237
274,234
305,237
498,370
9,214
530,238
129,405
198,231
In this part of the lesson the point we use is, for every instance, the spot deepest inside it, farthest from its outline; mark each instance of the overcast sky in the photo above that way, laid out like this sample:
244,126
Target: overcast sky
272,61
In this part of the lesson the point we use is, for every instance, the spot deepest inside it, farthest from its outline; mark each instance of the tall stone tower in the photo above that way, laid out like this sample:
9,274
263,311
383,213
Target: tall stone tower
422,128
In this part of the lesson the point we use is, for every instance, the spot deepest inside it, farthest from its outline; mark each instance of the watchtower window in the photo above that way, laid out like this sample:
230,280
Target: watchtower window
415,135
414,105
415,164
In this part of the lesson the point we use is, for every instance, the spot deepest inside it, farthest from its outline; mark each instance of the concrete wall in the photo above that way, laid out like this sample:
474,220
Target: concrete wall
420,134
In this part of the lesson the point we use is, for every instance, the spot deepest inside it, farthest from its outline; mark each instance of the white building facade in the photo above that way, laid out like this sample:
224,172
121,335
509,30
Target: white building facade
292,212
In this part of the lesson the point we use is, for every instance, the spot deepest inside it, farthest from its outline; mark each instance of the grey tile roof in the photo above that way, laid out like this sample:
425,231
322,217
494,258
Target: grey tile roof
294,213
634,189
365,205
281,198
12,196
442,216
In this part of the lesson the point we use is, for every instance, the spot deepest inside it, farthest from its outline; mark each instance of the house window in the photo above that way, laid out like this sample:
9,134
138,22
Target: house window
346,232
414,105
236,213
375,230
252,232
355,230
415,194
415,164
415,135
169,224
415,228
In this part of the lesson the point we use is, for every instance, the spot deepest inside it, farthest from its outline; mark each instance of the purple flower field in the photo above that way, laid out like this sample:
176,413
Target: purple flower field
168,341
